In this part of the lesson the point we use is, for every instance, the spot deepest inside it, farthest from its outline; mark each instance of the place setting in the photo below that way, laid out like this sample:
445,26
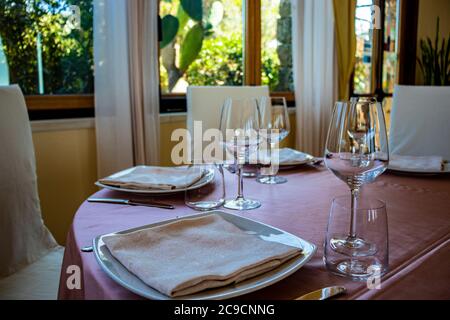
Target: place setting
156,180
234,255
230,254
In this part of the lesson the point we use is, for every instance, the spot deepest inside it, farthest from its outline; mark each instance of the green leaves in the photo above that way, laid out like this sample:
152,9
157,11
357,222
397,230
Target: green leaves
194,8
170,26
189,14
182,16
434,61
191,47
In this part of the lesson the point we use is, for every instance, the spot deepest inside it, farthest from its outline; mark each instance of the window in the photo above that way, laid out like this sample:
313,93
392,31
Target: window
276,27
376,54
47,48
224,42
202,45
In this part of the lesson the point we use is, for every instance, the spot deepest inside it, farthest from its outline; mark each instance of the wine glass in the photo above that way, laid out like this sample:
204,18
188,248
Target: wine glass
275,128
357,153
239,125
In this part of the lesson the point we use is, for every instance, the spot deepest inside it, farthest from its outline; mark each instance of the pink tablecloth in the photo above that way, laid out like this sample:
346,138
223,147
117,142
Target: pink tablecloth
419,232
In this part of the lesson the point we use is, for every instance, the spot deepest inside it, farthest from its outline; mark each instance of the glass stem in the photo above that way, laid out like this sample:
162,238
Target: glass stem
240,182
354,204
271,147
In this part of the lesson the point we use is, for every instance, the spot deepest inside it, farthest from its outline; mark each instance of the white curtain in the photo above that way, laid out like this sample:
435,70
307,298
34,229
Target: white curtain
315,75
126,83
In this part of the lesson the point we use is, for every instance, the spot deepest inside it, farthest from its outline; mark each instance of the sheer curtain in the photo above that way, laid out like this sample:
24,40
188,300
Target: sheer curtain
315,75
126,83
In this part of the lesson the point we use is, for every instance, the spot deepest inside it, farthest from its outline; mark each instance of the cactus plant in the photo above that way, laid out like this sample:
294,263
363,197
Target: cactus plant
170,25
191,46
191,41
194,8
435,61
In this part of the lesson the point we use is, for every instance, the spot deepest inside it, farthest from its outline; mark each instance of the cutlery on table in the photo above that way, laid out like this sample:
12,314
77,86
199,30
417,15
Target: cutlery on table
132,203
88,249
323,294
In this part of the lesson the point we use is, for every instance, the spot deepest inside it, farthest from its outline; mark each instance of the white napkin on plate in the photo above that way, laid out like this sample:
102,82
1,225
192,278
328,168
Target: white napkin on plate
286,156
161,178
192,255
416,163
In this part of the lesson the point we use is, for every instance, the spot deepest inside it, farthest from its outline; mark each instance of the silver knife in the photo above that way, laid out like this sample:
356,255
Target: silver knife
132,203
323,294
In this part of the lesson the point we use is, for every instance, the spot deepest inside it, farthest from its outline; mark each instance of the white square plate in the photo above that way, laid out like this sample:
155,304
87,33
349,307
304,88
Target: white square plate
206,179
122,276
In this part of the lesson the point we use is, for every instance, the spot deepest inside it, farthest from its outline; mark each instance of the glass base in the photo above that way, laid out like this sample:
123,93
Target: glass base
272,180
357,269
242,204
352,246
205,205
249,175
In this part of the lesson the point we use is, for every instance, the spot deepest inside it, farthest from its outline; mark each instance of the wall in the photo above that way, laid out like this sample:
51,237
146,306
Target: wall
429,10
66,168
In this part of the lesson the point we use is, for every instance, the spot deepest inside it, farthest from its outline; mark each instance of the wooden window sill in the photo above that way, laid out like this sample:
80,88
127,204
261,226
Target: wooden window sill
59,102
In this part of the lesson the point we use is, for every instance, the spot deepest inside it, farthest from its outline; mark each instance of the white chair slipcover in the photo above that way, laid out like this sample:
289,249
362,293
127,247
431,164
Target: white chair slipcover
24,239
420,121
205,103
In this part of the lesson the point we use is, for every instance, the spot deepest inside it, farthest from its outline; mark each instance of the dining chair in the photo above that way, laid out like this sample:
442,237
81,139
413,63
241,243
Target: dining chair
30,258
420,121
205,103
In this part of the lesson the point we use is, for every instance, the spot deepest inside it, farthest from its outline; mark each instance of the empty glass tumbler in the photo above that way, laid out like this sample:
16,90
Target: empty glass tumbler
208,193
371,226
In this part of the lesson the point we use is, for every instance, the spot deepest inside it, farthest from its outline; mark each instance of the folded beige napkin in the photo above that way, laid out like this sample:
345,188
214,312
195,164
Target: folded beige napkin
162,178
192,255
286,156
428,163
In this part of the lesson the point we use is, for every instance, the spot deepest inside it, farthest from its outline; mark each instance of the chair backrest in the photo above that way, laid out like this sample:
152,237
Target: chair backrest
23,235
205,103
420,121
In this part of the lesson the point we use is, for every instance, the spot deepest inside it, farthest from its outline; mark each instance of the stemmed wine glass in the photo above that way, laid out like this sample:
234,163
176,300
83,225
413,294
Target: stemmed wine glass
357,153
276,127
239,125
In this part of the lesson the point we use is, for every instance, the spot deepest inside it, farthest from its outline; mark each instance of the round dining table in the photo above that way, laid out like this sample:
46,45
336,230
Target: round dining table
419,234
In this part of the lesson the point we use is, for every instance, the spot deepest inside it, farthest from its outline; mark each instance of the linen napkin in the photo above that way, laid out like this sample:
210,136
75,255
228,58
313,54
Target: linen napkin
161,178
426,163
192,255
286,156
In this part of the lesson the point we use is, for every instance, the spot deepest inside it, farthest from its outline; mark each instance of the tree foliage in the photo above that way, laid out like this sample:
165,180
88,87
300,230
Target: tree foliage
220,60
67,56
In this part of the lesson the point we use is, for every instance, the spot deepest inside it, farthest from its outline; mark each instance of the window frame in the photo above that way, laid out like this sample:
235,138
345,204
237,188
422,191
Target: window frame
60,106
407,17
176,102
59,102
377,90
48,107
83,105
